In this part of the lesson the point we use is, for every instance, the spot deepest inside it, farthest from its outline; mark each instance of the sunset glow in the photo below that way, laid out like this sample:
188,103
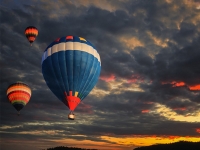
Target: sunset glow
195,87
108,78
103,74
148,140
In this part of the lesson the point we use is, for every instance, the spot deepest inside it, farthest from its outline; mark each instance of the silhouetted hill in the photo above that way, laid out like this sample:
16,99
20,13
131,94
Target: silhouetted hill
68,148
182,145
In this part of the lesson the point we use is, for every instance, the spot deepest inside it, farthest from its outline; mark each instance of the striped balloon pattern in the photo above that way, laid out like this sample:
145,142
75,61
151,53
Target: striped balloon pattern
19,95
71,67
31,33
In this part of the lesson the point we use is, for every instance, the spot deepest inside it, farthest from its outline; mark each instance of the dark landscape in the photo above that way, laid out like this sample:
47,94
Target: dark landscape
181,145
67,148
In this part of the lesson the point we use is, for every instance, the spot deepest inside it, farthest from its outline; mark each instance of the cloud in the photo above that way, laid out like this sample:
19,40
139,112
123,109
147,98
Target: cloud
171,115
108,78
195,87
149,82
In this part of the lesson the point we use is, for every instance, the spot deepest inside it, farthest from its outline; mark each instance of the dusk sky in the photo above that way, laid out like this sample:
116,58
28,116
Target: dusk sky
148,91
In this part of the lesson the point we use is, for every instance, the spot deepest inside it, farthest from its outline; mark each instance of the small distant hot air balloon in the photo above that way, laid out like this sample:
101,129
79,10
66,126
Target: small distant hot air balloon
18,95
71,67
31,33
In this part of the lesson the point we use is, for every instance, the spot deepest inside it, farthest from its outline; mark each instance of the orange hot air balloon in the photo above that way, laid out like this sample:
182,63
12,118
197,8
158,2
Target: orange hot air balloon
18,95
31,33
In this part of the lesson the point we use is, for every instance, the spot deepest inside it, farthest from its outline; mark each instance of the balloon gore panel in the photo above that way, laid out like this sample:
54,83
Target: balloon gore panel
71,67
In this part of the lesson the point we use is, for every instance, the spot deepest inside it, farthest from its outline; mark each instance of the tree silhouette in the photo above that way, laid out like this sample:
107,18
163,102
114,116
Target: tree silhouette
181,145
68,148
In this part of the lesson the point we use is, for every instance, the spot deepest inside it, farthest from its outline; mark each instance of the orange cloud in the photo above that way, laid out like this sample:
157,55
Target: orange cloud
173,137
135,78
108,78
174,83
145,140
195,87
198,130
177,84
154,136
145,111
180,108
131,42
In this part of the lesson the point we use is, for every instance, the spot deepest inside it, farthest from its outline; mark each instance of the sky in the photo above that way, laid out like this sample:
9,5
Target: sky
148,91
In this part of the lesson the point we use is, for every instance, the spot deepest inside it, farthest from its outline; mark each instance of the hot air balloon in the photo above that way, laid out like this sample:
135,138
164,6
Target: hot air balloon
71,67
19,95
31,33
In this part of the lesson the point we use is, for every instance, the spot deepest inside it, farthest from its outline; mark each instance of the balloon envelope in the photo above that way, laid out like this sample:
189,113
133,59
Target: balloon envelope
31,33
71,67
18,95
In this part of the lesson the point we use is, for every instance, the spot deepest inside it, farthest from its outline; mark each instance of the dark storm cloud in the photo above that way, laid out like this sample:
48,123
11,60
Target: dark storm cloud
168,51
178,64
127,119
130,124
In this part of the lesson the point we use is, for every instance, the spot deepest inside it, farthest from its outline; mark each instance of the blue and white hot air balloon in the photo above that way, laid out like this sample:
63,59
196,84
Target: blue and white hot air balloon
71,67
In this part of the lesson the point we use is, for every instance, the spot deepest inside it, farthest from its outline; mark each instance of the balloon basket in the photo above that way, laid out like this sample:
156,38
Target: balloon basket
71,116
